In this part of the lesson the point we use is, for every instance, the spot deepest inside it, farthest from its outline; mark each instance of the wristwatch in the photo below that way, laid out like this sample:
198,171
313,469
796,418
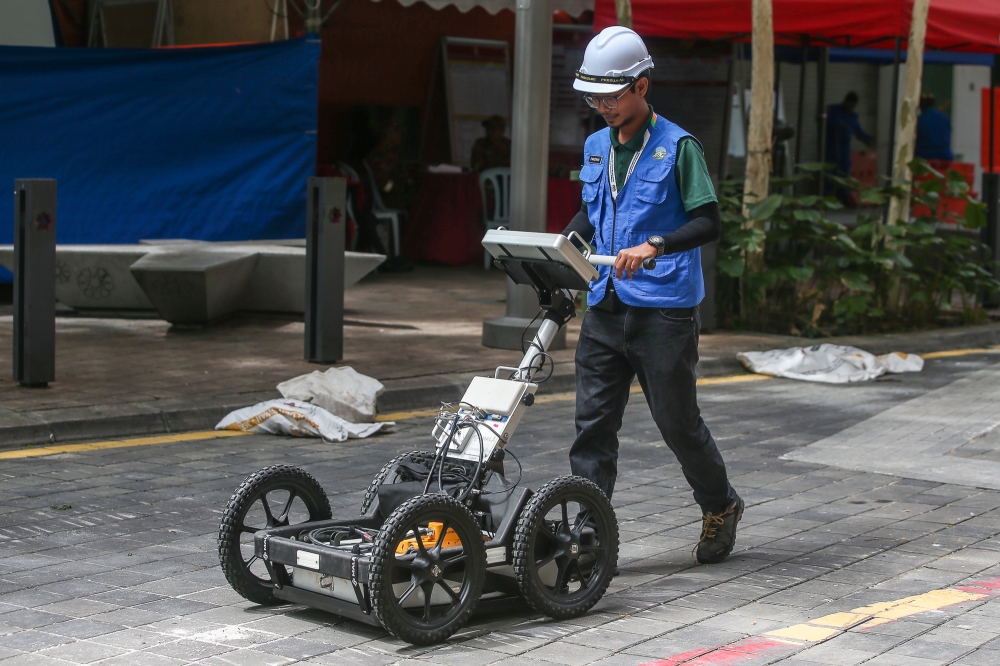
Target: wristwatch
657,242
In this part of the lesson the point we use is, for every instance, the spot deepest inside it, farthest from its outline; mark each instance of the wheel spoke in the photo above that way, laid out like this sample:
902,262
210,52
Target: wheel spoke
547,531
589,548
245,529
427,588
419,539
560,578
440,540
565,516
542,562
451,592
251,561
409,590
584,578
455,559
404,564
581,519
283,518
267,511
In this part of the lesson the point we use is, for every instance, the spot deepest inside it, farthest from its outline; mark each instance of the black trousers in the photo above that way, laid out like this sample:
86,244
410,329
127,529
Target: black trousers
660,347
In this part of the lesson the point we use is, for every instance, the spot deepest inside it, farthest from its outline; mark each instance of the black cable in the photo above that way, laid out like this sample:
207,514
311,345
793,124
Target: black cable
523,350
520,474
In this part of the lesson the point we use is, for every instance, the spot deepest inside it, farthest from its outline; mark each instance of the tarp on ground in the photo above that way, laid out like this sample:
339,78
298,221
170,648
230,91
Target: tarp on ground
210,143
957,25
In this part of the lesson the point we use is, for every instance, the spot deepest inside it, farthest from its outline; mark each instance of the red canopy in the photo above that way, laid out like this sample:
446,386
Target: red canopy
958,25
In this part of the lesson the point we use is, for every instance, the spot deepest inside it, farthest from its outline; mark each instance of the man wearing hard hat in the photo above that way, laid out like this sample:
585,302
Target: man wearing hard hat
646,193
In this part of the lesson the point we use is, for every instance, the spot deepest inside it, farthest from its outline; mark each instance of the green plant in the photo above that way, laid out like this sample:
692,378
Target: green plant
821,277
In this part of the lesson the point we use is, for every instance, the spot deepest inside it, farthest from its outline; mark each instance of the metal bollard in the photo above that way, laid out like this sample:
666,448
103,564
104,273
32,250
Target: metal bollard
34,281
325,238
990,234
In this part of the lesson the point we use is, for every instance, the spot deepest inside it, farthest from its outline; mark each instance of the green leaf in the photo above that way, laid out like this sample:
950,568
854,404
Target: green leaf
807,215
733,267
872,195
764,209
856,281
975,215
801,272
808,201
894,230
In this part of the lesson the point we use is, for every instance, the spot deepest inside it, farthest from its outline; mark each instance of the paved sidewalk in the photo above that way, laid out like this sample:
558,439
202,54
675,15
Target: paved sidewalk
108,556
417,332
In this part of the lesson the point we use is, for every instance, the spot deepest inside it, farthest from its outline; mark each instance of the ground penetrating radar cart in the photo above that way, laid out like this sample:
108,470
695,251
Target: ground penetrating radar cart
444,531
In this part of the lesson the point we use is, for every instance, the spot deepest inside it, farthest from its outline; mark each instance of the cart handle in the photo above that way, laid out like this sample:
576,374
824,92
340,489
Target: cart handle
603,259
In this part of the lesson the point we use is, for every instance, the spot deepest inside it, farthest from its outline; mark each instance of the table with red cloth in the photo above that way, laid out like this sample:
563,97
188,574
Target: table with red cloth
445,222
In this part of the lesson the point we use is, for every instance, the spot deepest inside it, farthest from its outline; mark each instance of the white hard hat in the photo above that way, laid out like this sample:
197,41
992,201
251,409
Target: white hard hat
612,61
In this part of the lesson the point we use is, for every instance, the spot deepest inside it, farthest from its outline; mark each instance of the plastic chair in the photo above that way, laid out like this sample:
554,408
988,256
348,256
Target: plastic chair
381,212
499,180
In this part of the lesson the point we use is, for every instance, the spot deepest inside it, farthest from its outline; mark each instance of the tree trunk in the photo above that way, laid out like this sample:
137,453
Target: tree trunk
899,207
623,9
758,171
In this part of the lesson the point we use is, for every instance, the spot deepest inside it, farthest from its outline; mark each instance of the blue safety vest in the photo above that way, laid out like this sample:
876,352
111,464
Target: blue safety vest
648,204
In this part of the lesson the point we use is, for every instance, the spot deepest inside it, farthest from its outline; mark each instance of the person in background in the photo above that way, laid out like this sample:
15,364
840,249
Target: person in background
492,150
933,131
842,125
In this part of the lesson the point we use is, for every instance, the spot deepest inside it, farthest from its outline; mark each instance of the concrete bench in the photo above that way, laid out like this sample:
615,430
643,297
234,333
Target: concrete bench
100,278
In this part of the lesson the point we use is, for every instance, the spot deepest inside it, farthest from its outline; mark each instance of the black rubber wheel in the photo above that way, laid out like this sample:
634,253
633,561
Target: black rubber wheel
271,497
565,557
427,592
388,474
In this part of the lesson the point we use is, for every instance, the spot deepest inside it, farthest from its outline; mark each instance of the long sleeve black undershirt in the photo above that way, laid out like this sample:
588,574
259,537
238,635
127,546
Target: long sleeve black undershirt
704,227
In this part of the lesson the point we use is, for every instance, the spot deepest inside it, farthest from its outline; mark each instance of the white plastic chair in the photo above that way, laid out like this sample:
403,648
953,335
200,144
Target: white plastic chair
499,179
381,212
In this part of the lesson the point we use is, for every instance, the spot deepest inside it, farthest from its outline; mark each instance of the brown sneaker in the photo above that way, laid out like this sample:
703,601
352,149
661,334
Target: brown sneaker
718,534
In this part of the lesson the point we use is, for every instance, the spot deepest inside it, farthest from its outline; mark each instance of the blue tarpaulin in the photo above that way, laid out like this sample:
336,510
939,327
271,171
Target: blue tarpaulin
212,143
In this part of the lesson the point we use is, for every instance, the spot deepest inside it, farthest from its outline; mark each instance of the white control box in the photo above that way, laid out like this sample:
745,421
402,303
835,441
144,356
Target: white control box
502,401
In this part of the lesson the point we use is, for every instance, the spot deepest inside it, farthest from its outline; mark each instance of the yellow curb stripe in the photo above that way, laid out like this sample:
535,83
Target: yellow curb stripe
571,395
960,352
118,444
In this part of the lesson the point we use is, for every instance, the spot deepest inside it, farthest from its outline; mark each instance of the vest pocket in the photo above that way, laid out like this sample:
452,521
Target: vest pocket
652,185
590,176
663,280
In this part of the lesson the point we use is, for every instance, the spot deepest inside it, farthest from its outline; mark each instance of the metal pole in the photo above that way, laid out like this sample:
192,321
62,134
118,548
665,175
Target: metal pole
529,161
34,281
991,190
324,312
824,58
802,99
894,109
313,17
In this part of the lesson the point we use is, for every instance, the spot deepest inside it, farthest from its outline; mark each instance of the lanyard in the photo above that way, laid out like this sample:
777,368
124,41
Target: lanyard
631,166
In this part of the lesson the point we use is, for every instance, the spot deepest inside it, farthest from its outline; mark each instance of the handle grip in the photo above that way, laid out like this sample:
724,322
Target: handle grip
607,260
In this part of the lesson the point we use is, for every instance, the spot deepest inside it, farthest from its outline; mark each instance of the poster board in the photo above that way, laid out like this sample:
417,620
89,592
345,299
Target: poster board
477,86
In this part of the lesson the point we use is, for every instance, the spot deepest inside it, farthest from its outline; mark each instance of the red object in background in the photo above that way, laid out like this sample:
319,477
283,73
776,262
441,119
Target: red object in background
949,204
958,25
565,197
984,143
445,221
864,167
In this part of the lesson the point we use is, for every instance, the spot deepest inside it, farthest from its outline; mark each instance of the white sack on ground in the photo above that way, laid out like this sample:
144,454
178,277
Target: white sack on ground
343,392
295,418
832,364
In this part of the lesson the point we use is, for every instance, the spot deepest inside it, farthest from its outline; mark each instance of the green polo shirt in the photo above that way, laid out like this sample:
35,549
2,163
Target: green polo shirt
690,169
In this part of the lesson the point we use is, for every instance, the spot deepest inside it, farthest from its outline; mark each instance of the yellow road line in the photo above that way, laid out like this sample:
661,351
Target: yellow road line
571,395
865,617
960,352
118,444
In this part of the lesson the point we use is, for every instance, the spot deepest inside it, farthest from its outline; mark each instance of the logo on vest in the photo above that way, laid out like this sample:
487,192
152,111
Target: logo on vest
659,153
595,159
